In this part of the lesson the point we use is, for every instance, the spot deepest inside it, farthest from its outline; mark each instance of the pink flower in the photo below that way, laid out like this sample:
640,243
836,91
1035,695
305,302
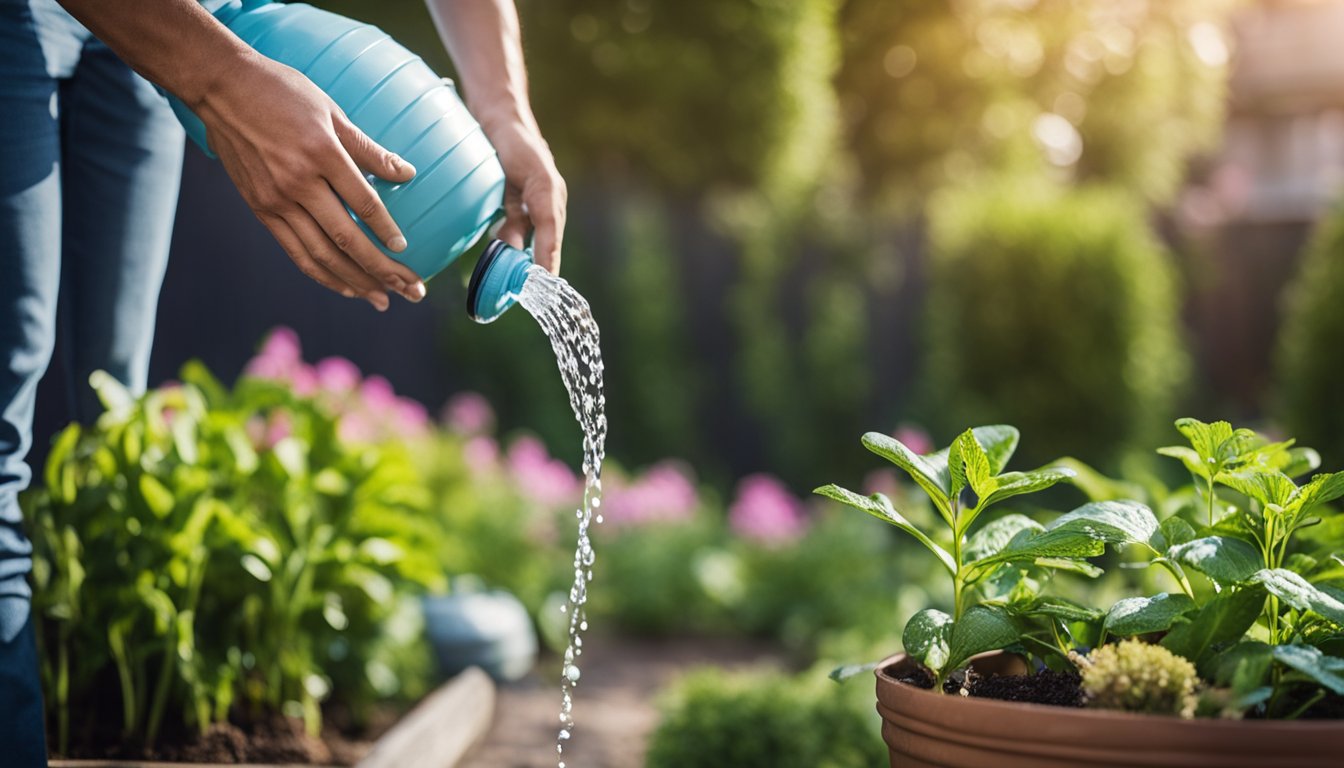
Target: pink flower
665,493
411,420
357,427
546,481
378,395
914,437
481,455
266,432
469,413
766,511
303,381
280,359
337,375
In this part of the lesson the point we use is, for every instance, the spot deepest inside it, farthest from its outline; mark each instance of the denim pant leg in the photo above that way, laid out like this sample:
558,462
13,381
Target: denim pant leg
90,160
121,155
30,251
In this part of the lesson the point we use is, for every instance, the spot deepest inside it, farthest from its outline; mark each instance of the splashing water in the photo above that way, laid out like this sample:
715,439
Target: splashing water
564,317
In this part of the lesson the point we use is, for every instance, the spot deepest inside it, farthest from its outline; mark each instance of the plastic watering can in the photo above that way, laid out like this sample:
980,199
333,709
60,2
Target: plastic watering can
391,95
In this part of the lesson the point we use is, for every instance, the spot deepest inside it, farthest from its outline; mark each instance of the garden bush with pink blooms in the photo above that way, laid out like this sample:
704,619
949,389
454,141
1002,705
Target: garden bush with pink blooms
205,555
673,558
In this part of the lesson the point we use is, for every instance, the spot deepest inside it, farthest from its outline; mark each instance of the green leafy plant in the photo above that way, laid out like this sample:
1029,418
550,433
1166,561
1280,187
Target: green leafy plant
202,555
764,719
996,570
1263,582
1253,554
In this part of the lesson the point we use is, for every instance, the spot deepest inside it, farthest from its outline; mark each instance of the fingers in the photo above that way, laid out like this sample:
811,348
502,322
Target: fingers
342,232
545,201
322,250
368,155
516,224
355,190
293,246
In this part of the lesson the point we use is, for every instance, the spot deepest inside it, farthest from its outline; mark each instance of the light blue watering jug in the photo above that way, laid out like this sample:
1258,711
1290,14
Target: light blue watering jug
391,95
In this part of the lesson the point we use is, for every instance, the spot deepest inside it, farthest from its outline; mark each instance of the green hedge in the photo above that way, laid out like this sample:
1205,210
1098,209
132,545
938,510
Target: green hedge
767,720
1054,310
1310,373
685,95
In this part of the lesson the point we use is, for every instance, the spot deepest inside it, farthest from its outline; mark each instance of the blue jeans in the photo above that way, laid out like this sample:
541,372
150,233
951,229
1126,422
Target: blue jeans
90,162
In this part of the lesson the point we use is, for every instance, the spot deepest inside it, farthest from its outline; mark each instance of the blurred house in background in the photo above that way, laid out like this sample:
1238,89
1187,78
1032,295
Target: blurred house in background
1285,131
1279,170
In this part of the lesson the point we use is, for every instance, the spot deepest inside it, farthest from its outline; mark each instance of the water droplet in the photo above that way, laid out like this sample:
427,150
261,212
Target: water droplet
572,672
564,734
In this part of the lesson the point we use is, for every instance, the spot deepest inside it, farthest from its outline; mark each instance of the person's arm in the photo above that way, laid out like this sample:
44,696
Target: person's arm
483,38
289,149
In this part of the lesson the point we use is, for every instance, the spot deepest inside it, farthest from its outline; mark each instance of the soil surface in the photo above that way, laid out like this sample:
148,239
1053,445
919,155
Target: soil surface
1045,687
615,703
280,740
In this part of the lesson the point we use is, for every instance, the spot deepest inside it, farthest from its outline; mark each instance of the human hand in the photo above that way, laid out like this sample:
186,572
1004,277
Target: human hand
294,157
534,194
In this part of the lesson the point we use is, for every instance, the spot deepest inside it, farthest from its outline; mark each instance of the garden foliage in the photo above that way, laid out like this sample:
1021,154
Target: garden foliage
1251,551
765,720
1310,376
1051,309
202,555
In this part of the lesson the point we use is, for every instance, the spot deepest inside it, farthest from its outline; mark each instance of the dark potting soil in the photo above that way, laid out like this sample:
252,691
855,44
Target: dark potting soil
275,740
1059,689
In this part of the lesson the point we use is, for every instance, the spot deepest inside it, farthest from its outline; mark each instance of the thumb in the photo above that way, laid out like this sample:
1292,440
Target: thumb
369,155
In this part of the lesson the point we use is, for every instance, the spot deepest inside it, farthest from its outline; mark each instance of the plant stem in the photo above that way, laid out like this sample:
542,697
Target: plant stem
1059,641
1273,620
63,690
161,690
1179,576
959,578
1211,500
129,711
1296,713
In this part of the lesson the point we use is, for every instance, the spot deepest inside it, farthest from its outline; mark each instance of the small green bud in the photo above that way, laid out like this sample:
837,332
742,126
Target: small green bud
1135,676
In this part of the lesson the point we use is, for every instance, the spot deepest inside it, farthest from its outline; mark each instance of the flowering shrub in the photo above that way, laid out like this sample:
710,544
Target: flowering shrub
366,409
766,511
202,552
664,493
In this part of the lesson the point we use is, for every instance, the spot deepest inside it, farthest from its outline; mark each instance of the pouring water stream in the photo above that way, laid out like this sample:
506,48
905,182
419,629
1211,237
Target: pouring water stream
565,318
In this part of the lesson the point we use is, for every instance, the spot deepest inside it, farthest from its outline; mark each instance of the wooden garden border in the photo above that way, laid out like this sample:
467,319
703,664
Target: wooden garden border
435,734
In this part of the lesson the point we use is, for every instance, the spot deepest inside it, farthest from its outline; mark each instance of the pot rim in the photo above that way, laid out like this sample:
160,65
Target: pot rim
990,707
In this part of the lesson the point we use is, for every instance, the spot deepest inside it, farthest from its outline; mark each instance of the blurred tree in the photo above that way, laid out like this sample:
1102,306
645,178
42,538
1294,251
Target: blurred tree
1097,90
1310,374
1053,310
688,96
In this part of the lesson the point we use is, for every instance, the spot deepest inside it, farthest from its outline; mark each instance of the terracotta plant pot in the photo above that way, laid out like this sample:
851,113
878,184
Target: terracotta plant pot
923,728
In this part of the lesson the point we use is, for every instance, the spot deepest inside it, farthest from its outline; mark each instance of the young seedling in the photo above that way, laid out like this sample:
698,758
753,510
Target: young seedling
995,603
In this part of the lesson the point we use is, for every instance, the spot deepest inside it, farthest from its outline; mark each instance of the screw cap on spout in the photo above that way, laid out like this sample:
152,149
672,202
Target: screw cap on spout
496,281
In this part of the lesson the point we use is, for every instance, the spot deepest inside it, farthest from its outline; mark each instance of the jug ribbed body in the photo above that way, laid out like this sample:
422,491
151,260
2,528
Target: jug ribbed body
394,97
